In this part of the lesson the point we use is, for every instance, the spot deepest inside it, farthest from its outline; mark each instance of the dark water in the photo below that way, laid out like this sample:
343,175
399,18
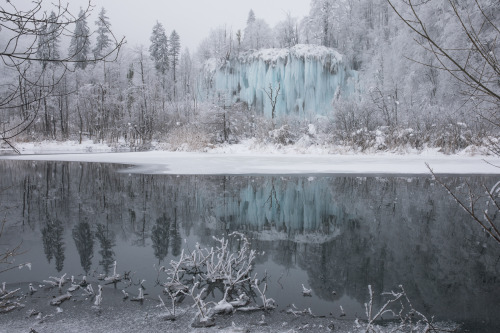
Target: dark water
326,232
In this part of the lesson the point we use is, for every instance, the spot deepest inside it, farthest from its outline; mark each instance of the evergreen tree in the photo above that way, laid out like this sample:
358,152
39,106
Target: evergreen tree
251,17
257,35
48,41
159,48
42,50
175,47
103,29
80,44
53,37
186,72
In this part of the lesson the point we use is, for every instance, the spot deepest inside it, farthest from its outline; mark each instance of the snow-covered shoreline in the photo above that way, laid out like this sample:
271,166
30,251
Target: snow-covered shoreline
247,159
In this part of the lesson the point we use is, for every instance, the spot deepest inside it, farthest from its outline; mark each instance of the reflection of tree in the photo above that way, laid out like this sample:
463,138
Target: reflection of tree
84,241
53,244
107,242
160,235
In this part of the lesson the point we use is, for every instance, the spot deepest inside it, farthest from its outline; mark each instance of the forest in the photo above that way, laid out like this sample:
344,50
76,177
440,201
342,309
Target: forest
423,74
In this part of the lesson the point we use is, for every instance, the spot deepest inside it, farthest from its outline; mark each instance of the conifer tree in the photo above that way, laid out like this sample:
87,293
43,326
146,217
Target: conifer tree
80,44
251,17
159,48
48,41
175,47
103,30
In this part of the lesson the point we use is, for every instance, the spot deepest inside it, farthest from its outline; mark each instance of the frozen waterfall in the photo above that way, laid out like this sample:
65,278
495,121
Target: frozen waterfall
309,77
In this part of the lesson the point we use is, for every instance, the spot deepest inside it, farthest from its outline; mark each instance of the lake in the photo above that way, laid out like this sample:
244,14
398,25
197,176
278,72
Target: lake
330,233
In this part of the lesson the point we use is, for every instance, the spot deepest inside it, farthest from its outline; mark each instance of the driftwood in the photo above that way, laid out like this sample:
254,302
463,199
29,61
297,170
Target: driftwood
60,299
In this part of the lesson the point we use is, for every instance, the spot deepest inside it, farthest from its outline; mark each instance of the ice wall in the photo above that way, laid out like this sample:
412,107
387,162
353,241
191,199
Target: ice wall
310,76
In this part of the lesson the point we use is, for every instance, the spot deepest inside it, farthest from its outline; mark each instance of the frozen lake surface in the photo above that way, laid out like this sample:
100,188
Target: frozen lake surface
159,162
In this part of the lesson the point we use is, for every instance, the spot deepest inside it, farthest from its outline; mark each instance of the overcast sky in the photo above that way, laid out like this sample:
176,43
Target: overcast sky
192,19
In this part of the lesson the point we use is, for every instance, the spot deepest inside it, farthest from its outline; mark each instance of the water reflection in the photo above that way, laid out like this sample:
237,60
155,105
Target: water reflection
106,239
160,235
330,233
84,242
53,243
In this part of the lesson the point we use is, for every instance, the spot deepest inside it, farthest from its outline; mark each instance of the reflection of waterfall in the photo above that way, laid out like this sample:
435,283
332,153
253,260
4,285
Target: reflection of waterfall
84,241
53,244
280,207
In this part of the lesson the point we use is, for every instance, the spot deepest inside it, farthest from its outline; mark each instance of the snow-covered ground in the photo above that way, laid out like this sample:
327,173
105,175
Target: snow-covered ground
249,159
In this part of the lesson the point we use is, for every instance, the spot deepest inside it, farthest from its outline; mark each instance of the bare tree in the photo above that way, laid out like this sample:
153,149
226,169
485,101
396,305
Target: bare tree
22,30
273,93
486,216
476,66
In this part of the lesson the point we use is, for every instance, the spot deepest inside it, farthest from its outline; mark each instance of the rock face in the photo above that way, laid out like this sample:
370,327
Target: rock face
309,78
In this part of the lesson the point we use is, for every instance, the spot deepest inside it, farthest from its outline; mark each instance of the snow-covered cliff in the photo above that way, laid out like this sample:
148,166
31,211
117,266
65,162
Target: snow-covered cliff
309,78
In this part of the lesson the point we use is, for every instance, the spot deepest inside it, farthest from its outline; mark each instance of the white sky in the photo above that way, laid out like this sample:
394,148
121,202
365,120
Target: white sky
192,19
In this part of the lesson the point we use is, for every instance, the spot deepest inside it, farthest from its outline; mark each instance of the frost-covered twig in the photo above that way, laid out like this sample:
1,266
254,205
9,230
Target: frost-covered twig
56,281
306,291
397,306
199,303
9,294
267,303
139,297
173,297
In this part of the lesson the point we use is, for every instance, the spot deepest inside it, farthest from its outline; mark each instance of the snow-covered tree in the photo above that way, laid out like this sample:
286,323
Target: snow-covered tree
80,43
186,73
103,41
218,45
257,34
322,21
158,49
48,41
287,32
251,17
175,49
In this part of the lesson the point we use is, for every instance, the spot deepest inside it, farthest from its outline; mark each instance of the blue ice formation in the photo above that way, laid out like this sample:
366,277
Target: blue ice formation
309,77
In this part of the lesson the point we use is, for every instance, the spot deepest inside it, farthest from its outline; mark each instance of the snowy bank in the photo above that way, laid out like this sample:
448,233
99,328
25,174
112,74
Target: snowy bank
184,163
